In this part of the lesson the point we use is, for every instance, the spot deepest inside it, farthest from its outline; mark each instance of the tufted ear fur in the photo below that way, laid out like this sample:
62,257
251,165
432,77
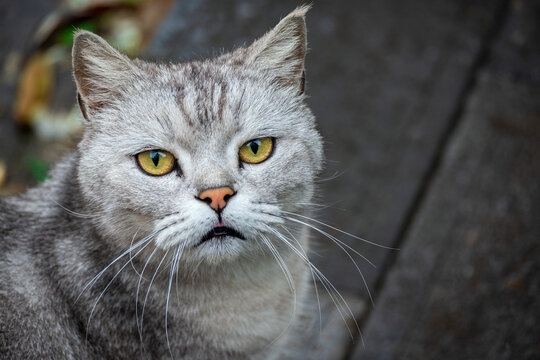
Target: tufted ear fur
100,71
282,50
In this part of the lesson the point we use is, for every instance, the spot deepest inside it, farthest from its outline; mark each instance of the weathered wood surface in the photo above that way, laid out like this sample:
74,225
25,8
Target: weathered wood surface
467,283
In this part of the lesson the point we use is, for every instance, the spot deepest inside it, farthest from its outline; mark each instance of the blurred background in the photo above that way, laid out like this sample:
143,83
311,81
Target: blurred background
430,112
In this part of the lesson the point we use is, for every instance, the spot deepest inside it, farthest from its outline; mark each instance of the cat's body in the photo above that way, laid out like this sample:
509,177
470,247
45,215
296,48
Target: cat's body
56,254
197,296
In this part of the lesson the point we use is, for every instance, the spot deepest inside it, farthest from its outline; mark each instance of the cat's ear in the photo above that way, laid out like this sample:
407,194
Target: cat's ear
100,71
282,50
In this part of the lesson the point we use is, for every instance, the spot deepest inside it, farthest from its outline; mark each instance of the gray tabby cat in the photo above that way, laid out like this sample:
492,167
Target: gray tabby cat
164,234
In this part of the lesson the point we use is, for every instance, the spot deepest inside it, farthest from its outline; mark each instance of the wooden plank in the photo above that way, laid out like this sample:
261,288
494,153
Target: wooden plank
383,110
383,78
466,285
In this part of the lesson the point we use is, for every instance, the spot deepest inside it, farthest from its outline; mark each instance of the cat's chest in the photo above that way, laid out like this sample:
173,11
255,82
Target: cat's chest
246,320
193,322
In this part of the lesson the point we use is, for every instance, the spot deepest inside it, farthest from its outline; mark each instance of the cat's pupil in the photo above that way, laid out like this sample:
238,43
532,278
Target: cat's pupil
254,145
154,155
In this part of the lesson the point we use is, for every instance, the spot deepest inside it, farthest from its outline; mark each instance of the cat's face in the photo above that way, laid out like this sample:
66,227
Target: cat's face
205,156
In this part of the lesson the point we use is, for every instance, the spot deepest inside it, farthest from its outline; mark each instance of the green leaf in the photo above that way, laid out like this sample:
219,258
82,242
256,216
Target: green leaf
65,35
37,167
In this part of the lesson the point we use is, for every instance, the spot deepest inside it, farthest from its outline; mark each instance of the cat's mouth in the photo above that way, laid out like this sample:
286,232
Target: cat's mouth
219,232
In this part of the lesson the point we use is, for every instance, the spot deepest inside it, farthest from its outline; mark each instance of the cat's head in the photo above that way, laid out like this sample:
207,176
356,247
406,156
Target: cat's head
203,156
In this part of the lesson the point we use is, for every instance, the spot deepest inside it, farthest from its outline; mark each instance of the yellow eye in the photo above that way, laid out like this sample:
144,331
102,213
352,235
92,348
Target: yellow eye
256,150
156,162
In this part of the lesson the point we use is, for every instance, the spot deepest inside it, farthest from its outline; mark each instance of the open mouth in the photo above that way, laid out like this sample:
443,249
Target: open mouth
221,231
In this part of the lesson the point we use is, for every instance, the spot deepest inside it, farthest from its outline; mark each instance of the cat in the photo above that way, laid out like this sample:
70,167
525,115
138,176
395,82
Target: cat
170,232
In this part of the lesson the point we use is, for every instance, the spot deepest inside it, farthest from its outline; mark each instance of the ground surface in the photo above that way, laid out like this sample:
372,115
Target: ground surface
431,116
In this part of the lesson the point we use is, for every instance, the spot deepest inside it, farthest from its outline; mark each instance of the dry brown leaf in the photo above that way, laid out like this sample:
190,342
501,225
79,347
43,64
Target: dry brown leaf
35,86
3,173
151,14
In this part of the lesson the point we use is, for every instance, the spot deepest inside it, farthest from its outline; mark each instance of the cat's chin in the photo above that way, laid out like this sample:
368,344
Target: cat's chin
218,249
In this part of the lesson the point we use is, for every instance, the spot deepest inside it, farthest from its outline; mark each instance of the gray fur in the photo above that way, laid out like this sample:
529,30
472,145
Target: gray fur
225,300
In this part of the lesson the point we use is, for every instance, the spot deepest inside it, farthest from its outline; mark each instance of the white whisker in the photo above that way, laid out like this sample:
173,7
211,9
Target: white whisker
340,305
174,264
332,237
335,175
149,287
137,298
109,284
337,242
95,278
281,263
312,276
130,257
71,212
341,231
288,275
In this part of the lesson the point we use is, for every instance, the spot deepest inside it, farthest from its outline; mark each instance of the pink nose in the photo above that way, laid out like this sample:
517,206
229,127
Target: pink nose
217,198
